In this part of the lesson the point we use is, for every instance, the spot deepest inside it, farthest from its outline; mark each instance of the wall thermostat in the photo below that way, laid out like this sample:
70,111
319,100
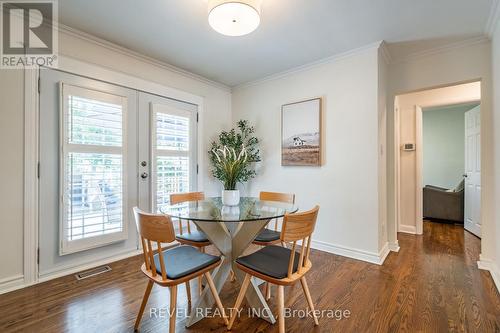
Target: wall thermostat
409,147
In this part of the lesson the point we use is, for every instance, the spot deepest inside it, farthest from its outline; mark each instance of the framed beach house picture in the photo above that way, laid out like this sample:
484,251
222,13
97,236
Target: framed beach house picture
301,133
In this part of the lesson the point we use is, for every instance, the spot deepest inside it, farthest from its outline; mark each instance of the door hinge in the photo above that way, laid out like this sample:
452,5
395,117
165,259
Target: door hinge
197,169
197,116
38,170
38,84
38,256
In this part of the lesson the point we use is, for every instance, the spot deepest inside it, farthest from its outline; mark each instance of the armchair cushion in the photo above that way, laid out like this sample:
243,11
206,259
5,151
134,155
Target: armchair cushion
441,204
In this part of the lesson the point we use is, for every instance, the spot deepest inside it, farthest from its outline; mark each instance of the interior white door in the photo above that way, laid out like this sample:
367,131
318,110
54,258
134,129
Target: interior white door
472,175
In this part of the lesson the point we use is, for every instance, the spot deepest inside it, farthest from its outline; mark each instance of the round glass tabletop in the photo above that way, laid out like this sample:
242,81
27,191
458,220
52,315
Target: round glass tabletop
212,209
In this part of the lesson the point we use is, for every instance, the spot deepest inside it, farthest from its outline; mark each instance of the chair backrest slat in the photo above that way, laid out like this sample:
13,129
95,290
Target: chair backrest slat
299,226
302,252
178,198
292,260
154,228
278,197
162,262
151,257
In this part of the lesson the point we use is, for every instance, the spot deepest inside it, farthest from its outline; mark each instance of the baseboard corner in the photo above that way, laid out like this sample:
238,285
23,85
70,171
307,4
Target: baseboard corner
383,253
394,246
407,229
489,265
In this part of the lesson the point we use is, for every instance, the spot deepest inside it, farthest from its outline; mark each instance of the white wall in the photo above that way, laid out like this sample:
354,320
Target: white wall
346,185
455,65
444,146
217,116
11,173
495,230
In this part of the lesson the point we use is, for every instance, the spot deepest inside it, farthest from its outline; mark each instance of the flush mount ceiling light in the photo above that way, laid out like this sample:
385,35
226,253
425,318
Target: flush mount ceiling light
234,18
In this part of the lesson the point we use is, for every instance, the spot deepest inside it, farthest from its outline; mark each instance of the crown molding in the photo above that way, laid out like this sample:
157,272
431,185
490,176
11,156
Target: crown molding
309,66
442,49
138,56
493,19
385,53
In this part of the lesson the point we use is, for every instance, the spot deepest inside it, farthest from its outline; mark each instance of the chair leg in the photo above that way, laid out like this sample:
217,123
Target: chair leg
173,309
268,291
188,291
143,304
281,308
216,296
309,299
239,300
200,278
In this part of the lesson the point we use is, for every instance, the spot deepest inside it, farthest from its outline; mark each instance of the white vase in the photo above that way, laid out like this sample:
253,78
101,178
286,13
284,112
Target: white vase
230,197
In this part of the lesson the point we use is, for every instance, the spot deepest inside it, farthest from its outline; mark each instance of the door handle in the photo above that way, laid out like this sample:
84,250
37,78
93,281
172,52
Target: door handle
144,175
465,175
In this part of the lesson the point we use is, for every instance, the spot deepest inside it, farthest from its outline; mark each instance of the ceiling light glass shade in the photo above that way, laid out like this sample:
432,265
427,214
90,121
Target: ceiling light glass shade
234,18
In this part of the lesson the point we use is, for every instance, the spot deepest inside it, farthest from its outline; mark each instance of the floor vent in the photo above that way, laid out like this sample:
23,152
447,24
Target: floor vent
93,272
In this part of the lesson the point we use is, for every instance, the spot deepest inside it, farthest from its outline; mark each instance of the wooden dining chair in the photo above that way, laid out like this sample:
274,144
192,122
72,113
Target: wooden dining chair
272,236
280,265
171,267
190,236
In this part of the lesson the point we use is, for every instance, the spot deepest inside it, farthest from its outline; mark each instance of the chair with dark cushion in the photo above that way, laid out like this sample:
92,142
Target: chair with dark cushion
169,268
189,236
444,204
280,265
272,236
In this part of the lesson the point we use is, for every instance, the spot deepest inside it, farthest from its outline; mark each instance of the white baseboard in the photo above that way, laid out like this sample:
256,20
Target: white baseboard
11,283
384,252
408,229
492,267
394,246
60,272
371,257
17,282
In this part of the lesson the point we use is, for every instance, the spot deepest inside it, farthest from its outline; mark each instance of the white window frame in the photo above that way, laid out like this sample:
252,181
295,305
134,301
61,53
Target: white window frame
67,247
192,153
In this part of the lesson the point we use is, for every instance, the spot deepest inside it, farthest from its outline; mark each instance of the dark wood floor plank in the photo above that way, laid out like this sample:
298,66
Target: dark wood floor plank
432,285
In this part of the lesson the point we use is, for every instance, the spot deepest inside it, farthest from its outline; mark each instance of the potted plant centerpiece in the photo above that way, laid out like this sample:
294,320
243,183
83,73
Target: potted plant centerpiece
232,157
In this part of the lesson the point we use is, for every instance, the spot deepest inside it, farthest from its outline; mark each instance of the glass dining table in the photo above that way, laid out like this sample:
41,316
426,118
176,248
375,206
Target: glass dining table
231,229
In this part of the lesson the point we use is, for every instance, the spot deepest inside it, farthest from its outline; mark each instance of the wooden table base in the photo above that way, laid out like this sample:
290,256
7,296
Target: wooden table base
231,239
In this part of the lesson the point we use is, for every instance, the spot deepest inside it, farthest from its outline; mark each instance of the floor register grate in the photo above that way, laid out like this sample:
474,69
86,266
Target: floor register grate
92,272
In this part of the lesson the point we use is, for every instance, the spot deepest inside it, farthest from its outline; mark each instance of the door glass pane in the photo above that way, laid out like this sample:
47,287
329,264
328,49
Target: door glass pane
172,132
93,122
172,176
93,194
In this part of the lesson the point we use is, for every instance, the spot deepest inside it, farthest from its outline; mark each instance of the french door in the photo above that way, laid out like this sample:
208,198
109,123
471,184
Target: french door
103,150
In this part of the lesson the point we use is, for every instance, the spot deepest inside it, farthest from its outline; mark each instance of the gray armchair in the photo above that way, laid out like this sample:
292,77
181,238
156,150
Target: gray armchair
440,203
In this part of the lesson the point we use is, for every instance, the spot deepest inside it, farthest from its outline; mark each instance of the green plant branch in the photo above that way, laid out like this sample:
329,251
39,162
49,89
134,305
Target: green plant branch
233,155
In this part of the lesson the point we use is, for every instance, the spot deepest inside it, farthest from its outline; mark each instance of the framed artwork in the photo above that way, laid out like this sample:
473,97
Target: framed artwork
301,133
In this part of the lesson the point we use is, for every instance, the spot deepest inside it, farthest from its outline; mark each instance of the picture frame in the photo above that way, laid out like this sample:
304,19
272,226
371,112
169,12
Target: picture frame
301,137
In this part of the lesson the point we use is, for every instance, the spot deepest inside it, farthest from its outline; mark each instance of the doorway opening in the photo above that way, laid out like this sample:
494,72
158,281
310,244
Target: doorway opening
438,165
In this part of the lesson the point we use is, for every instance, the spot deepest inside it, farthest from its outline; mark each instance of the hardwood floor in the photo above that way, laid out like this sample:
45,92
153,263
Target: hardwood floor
432,285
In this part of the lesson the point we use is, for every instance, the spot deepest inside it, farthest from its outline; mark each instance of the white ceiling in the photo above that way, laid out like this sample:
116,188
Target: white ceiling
292,32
